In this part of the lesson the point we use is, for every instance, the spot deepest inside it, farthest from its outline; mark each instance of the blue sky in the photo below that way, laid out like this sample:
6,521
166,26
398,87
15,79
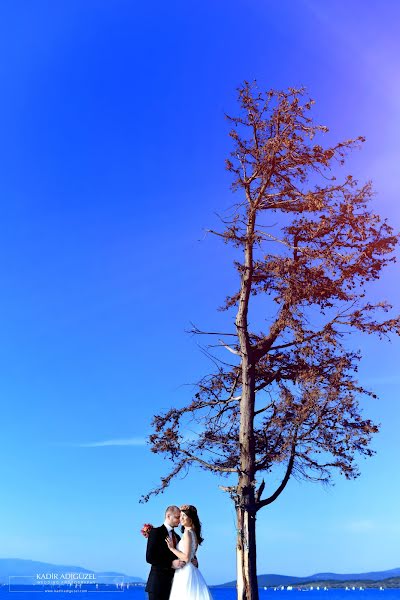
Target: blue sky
112,152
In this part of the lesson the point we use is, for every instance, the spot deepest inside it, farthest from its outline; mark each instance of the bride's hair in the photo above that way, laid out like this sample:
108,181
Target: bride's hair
191,512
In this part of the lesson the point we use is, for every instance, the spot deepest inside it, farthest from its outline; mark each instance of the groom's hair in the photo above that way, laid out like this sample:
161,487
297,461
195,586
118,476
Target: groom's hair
172,509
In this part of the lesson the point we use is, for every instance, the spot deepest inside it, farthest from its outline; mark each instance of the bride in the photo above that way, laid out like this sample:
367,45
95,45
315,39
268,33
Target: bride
188,582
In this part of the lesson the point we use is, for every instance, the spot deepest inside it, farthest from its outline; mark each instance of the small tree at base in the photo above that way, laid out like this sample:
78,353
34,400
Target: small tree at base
308,244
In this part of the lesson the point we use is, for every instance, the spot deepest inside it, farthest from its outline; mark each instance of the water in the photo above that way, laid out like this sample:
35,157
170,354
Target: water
217,594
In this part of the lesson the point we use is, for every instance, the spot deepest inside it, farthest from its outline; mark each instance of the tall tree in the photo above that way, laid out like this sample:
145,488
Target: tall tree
308,244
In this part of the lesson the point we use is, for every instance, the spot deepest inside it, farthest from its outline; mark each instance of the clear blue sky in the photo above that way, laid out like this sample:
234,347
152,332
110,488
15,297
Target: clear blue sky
111,165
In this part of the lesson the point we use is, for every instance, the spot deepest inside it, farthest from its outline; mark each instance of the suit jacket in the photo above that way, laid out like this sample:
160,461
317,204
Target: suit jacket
160,557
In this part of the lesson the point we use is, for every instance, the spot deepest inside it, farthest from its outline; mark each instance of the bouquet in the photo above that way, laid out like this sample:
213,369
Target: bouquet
145,531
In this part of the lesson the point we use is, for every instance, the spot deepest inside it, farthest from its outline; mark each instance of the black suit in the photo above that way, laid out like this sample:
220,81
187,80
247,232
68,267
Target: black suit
160,557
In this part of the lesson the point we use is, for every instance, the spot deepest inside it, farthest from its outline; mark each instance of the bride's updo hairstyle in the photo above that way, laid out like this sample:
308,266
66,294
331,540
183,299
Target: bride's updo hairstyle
191,512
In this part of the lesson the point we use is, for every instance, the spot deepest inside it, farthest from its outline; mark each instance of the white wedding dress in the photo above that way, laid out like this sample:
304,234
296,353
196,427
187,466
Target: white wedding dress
188,583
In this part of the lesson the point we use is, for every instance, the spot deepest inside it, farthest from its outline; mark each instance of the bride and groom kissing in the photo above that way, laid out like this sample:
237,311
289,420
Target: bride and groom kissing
174,573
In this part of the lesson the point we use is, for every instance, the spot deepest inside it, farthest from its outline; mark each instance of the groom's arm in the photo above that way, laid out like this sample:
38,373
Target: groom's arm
153,555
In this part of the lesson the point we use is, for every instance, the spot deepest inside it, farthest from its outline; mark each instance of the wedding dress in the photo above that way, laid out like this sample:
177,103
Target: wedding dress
188,583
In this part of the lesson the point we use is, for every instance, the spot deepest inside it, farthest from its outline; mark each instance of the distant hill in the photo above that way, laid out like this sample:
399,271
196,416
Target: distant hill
391,582
21,567
273,580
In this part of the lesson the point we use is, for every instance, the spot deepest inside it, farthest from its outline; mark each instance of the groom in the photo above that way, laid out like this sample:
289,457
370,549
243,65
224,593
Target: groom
163,561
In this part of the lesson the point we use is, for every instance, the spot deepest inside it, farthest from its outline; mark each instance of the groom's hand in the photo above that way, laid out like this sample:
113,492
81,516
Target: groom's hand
178,564
195,562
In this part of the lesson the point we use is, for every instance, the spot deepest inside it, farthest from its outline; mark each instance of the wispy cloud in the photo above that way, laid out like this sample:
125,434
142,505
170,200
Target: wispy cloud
375,527
361,526
134,441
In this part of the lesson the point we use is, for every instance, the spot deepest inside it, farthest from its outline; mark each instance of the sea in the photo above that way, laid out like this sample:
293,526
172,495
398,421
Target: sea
138,593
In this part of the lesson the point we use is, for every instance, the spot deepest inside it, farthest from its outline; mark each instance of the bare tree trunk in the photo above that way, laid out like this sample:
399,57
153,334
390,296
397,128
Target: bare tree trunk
247,586
246,506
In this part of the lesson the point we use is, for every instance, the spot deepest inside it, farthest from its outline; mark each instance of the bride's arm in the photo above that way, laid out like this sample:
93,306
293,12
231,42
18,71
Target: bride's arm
186,547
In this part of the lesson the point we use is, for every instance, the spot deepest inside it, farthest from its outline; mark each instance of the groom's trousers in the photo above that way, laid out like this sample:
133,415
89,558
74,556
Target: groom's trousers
159,596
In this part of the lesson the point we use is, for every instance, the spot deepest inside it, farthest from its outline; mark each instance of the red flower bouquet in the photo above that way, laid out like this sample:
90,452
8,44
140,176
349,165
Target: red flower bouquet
145,531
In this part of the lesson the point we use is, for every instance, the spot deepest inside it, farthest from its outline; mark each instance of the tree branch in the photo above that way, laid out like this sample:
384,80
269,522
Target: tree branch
207,465
283,484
